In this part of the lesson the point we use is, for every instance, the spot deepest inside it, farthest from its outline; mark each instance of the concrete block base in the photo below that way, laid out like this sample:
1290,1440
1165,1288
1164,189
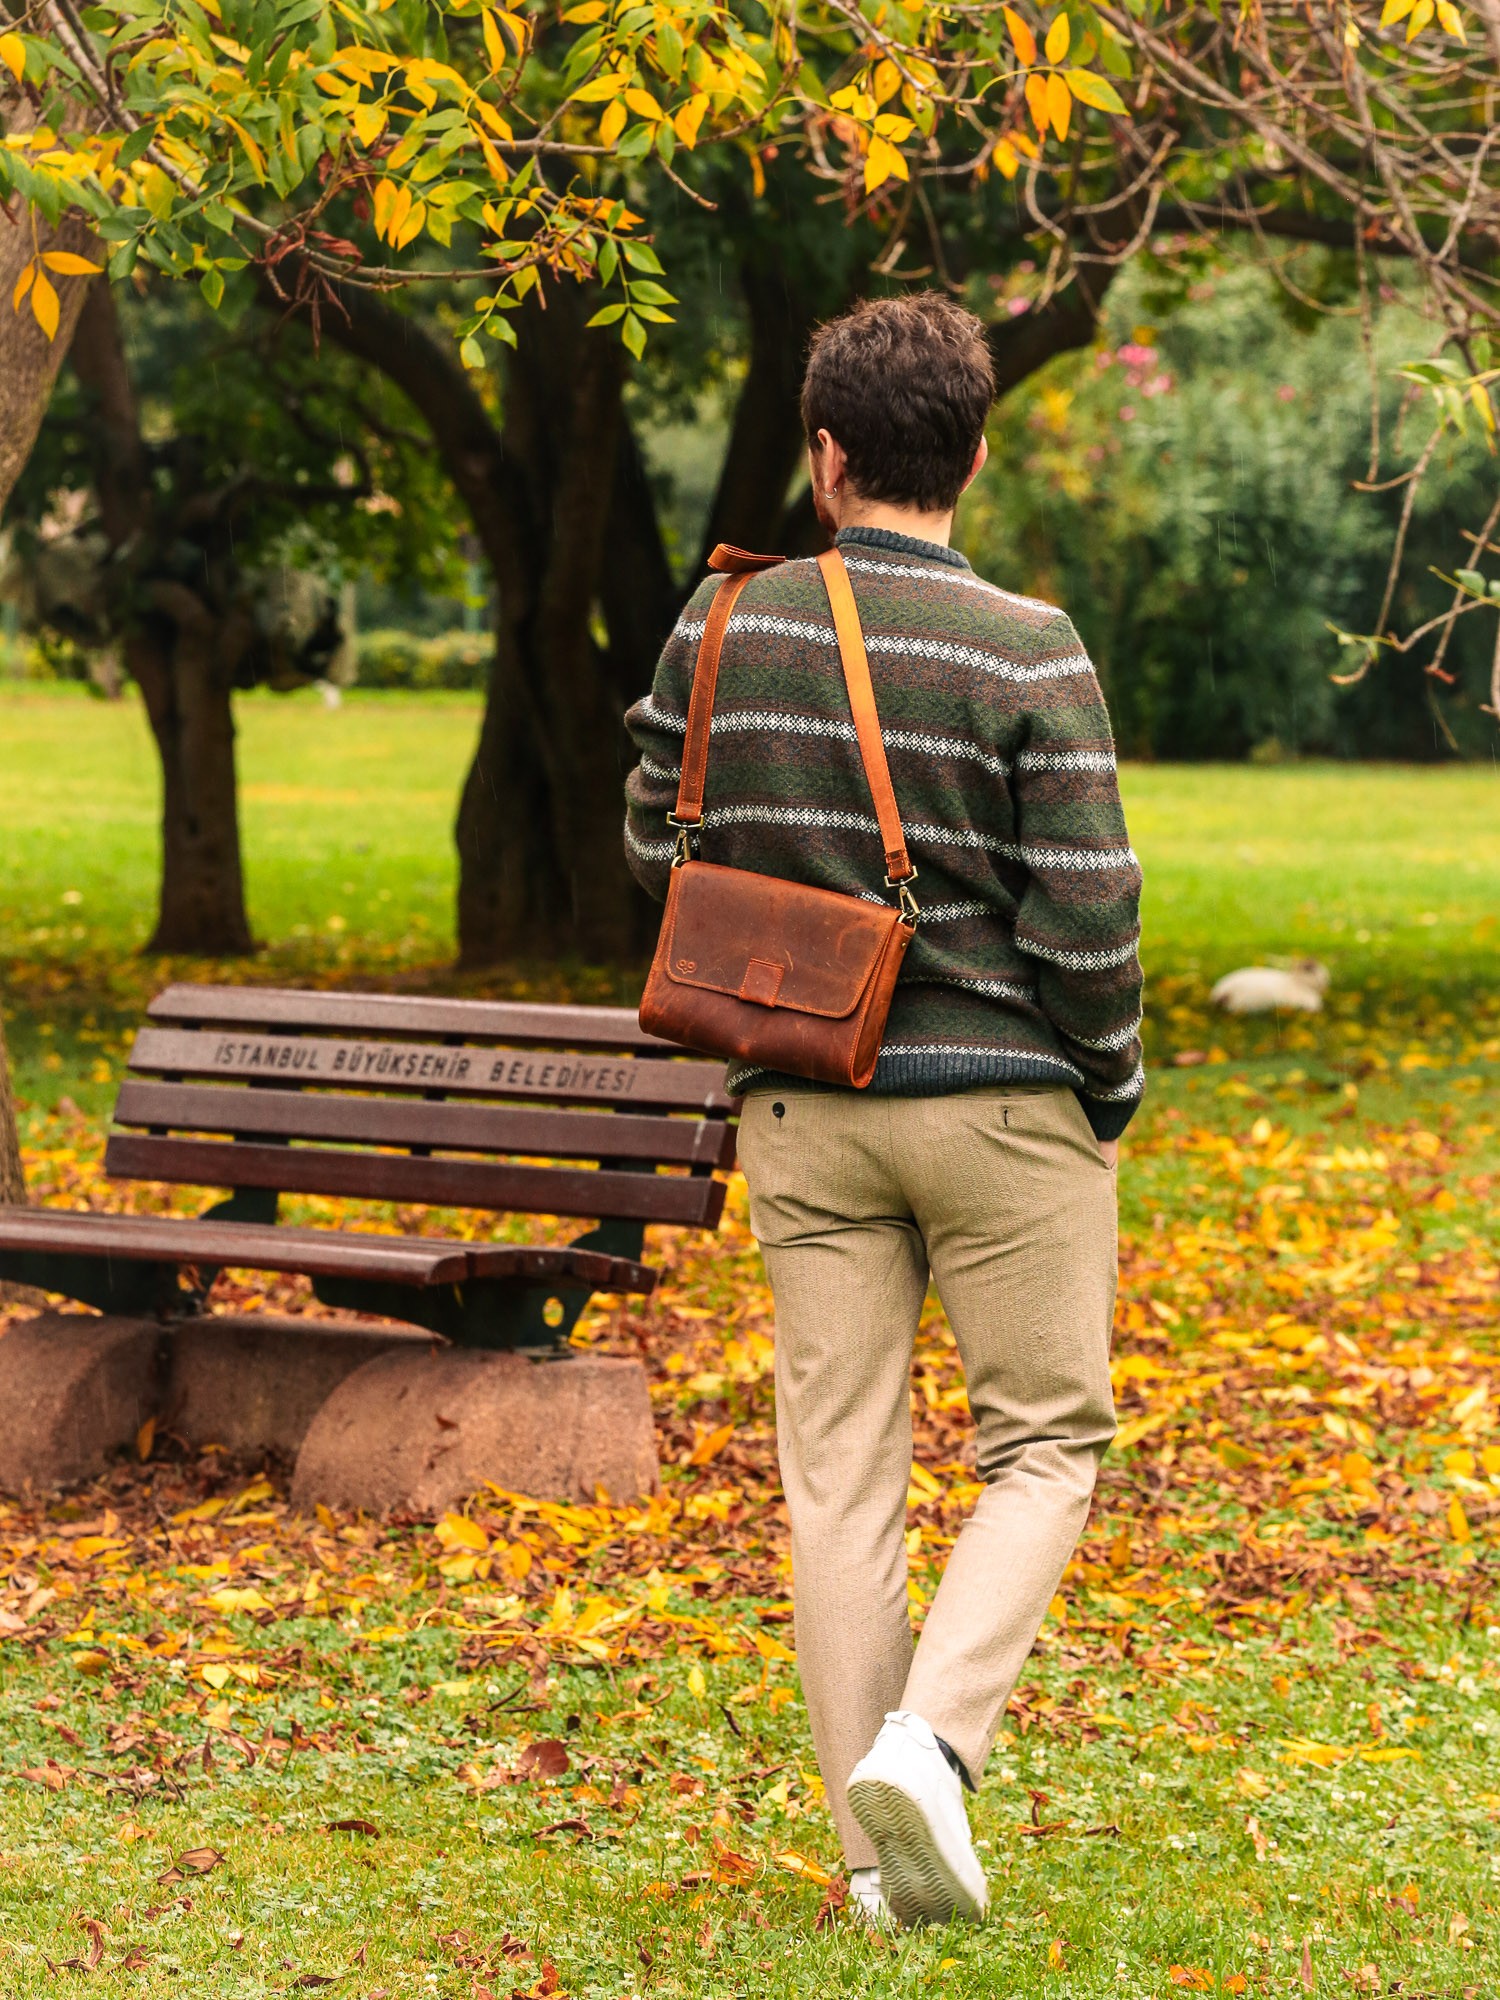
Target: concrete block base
416,1433
253,1383
74,1388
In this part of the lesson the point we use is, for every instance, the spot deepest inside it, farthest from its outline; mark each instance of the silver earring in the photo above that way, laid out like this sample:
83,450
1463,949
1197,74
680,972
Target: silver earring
830,493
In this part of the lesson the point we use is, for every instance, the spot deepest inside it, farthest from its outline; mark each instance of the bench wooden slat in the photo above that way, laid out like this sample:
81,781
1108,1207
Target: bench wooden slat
341,1253
402,1260
395,1013
639,1197
383,1121
416,1066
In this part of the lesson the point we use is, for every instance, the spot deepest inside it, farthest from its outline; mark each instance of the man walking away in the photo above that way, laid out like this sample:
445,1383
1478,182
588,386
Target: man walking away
982,1156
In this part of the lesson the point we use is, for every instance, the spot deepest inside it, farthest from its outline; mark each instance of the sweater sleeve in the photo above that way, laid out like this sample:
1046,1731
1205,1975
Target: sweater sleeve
658,728
1079,918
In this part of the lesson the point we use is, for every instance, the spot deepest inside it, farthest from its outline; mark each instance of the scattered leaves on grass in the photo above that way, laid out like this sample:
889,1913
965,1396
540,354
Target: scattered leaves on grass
1305,1369
196,1861
548,1759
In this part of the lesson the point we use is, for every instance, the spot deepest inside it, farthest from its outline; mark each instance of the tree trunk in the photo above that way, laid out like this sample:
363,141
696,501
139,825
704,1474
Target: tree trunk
12,1177
183,661
28,368
766,440
541,871
12,1180
182,652
28,360
552,706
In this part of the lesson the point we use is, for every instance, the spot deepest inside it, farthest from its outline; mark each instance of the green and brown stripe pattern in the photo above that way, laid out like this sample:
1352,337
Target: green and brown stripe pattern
1025,966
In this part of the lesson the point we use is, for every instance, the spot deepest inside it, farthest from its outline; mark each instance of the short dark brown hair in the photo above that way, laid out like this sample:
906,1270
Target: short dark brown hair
905,386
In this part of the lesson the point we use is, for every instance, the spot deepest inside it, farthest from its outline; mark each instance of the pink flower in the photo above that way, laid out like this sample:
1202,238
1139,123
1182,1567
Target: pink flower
1103,358
1286,393
1015,307
1127,413
1157,386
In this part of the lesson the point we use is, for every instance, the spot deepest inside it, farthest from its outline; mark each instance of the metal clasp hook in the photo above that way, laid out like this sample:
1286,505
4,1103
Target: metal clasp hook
686,828
910,909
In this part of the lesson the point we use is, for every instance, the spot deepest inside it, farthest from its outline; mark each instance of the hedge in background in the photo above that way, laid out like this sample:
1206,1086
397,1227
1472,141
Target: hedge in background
457,661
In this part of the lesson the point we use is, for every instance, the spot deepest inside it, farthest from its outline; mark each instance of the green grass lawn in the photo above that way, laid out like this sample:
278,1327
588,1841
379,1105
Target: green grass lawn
1255,1751
1391,875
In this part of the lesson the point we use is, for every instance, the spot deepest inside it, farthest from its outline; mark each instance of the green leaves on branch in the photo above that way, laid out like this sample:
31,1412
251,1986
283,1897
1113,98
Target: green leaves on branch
1459,392
374,139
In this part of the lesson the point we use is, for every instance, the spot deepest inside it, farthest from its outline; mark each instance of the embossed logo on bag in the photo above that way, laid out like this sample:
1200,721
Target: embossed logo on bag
687,965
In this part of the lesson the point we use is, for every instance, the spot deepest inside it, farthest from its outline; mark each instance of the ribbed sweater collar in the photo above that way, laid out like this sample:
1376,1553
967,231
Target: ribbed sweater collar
904,545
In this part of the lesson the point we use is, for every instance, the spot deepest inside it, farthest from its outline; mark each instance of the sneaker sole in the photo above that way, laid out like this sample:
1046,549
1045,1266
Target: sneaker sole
918,1885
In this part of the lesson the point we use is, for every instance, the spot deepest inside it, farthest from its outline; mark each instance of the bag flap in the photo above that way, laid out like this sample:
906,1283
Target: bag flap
776,943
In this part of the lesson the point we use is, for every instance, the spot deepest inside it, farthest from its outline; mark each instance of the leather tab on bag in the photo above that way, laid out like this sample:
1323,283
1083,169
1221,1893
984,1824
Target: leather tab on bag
728,558
762,981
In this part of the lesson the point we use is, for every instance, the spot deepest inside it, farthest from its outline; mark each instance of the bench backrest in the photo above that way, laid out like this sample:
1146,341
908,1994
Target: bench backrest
465,1098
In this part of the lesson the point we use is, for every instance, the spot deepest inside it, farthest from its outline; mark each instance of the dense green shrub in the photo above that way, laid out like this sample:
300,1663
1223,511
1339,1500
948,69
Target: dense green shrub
452,660
1185,492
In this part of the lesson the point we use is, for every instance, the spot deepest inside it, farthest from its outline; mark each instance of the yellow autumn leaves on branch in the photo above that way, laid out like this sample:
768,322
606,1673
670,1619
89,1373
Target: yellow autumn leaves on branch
35,284
212,132
1051,91
1417,15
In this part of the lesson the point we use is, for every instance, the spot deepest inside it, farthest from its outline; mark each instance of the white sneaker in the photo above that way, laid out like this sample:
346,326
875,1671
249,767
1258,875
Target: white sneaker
865,1901
907,1797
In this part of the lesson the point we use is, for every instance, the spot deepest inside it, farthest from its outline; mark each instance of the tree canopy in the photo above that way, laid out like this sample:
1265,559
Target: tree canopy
223,129
341,145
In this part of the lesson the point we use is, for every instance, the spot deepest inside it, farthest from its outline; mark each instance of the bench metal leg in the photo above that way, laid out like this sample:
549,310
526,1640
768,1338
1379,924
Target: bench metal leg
110,1284
487,1313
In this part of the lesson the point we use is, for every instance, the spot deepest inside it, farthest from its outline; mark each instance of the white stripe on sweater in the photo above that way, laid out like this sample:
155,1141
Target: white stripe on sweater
1079,961
945,573
1072,860
1086,860
1107,1044
993,989
965,579
649,850
1066,760
948,651
952,913
772,723
1133,1085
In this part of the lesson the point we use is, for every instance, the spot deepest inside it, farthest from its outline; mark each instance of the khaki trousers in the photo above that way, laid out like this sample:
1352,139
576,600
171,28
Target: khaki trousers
1002,1196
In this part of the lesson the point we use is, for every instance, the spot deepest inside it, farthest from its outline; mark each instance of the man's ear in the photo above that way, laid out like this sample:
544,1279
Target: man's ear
981,458
829,463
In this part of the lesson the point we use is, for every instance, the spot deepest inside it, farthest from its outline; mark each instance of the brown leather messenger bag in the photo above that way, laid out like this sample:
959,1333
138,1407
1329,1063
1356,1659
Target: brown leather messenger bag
756,968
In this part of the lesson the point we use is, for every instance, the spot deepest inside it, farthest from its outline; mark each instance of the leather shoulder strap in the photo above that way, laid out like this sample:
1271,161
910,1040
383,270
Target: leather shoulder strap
856,664
739,566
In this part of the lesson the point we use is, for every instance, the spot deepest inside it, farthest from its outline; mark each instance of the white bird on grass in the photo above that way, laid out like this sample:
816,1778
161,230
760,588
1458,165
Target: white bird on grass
1268,989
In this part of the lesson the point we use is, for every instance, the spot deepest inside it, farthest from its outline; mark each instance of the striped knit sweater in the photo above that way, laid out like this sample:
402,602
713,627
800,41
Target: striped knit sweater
1024,966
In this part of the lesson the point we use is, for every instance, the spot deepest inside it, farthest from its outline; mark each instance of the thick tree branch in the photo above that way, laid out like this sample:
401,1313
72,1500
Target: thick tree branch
424,367
1068,321
121,475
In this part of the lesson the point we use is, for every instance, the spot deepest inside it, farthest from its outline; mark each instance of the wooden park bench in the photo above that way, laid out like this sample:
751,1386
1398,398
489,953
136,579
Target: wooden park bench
515,1109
